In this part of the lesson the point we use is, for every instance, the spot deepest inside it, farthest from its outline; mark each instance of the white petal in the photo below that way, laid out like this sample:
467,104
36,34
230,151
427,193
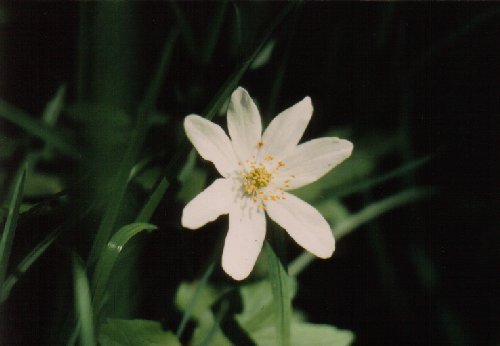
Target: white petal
209,204
247,230
244,124
311,160
304,224
212,143
286,129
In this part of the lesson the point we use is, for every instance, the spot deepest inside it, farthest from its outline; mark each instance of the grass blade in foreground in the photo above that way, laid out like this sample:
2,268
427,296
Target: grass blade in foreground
109,257
281,297
37,128
83,308
9,229
36,253
26,264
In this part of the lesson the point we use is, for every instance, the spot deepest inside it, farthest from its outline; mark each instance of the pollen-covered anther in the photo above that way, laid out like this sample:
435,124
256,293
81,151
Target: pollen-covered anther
256,179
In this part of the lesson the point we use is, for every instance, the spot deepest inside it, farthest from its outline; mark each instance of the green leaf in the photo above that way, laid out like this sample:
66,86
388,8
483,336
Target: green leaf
54,107
37,128
26,263
372,182
154,199
192,304
42,184
198,298
213,33
109,257
83,306
9,229
258,314
258,304
116,332
192,185
281,296
263,56
306,334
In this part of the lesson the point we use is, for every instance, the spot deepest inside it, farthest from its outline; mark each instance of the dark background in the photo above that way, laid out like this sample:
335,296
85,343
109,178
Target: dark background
426,273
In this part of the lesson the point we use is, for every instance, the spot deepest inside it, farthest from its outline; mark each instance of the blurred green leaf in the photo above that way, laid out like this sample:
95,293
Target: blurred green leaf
26,263
188,166
83,307
116,332
213,32
258,315
306,334
185,28
41,184
199,297
371,182
356,220
193,185
54,107
153,200
205,295
281,297
258,304
264,56
212,333
37,128
109,257
9,229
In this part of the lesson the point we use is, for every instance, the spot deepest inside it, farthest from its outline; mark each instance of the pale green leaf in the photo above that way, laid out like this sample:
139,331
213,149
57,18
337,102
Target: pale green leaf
198,299
306,334
264,55
54,106
116,332
281,297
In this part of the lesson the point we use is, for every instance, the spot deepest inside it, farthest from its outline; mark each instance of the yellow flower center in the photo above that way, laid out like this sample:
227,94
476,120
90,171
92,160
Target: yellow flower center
256,179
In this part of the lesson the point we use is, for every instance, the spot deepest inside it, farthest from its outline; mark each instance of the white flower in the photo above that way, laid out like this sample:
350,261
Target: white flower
257,170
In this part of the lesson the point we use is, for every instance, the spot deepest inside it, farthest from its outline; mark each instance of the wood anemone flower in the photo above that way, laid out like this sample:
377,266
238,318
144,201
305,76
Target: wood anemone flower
257,171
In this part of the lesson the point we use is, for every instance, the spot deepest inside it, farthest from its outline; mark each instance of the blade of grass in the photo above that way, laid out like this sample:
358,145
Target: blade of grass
194,300
187,32
108,259
120,182
235,78
281,297
83,307
26,263
212,109
218,318
9,229
213,33
367,214
370,183
37,128
36,253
